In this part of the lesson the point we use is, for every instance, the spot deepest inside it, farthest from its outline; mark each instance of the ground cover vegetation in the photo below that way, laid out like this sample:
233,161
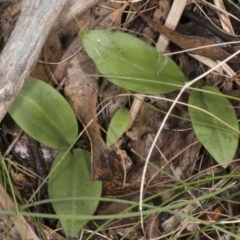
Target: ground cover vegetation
127,127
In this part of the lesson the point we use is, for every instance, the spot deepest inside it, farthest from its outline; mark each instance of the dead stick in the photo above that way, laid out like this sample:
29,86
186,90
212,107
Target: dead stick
21,51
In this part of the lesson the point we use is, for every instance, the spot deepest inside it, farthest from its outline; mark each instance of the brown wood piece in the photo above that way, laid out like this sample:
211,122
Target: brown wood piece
19,224
81,92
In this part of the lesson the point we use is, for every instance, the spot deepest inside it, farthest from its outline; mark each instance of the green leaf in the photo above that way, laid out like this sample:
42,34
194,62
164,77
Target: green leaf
72,179
45,115
118,125
130,63
220,140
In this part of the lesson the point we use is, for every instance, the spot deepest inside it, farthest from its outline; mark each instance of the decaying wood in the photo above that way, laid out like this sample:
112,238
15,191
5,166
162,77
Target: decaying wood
81,92
27,39
19,226
23,47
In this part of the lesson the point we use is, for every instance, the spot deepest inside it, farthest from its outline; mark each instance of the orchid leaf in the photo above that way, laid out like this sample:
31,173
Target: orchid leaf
44,114
118,125
70,179
132,64
217,127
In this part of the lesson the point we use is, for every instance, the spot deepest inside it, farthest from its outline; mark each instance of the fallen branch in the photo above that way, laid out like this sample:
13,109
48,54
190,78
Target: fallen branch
19,56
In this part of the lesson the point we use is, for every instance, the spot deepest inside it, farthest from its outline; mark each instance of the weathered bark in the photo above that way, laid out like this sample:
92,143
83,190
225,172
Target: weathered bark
21,51
19,225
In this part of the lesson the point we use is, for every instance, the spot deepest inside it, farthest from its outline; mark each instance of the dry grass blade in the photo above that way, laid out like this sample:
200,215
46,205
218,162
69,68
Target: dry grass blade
171,22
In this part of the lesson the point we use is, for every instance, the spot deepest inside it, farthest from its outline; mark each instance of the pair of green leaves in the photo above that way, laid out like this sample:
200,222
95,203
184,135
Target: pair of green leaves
47,117
134,65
